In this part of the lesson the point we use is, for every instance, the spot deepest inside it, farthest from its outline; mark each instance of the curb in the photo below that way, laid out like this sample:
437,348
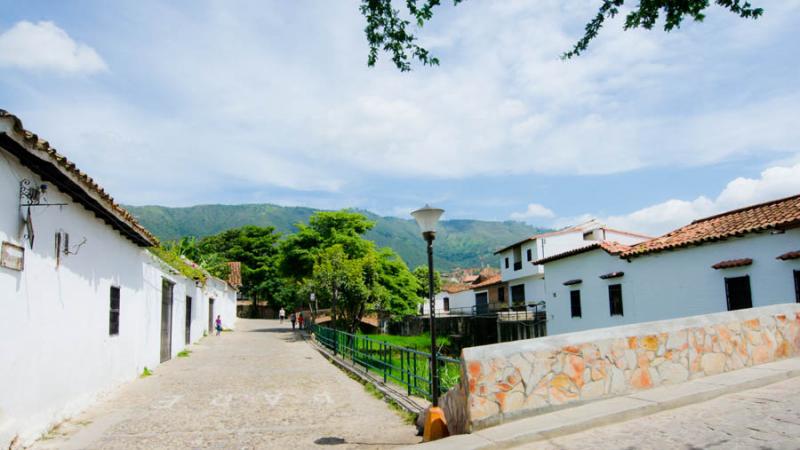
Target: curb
619,409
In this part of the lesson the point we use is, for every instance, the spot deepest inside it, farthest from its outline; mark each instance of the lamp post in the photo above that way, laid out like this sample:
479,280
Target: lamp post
427,218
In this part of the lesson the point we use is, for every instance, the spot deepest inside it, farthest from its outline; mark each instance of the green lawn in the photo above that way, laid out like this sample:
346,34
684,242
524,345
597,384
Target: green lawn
421,342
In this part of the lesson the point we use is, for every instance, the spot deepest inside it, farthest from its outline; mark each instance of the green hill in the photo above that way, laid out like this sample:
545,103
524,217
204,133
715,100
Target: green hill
459,243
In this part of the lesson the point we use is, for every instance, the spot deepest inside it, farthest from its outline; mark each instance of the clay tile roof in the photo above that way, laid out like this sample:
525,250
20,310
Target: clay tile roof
611,247
115,215
494,279
789,255
777,214
235,275
454,288
732,263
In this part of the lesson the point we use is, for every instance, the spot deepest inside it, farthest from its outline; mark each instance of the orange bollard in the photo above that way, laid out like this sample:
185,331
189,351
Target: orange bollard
435,425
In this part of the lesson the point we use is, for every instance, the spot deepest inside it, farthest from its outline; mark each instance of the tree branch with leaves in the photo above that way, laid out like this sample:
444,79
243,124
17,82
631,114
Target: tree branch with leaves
392,31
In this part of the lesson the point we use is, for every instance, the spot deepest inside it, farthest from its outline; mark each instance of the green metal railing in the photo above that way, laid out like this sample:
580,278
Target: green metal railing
400,365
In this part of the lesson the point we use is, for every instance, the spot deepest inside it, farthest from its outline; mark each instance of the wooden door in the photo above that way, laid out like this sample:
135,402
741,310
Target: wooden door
482,303
166,320
210,315
188,320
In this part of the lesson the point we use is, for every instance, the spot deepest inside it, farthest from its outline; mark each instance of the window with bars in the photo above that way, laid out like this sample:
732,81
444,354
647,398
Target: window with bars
575,303
113,317
529,254
615,299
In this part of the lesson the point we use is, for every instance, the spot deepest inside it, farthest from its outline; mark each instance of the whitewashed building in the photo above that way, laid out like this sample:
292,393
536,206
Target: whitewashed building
525,281
739,259
85,305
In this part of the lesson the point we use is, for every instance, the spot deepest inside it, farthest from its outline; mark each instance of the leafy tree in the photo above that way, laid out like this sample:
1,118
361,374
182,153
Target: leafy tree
325,229
421,274
256,248
401,286
388,30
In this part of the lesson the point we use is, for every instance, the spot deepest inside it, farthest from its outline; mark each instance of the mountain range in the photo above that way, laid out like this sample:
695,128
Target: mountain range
459,243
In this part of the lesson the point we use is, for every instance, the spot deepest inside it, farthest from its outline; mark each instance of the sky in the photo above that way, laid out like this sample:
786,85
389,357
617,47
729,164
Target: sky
198,102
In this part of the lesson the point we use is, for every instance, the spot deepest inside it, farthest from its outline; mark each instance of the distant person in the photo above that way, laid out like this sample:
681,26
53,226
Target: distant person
282,314
219,325
300,321
293,319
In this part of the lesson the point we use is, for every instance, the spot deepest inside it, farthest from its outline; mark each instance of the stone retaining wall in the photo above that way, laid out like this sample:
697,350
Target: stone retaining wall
523,378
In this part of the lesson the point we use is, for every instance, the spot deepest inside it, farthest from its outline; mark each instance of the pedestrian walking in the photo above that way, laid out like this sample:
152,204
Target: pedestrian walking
219,325
300,320
282,314
293,319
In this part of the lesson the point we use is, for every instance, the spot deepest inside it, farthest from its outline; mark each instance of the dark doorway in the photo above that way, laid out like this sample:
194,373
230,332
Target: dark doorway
188,320
210,315
166,320
446,304
518,294
482,303
797,286
737,290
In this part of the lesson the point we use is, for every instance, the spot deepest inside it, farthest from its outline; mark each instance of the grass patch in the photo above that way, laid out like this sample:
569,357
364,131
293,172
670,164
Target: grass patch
184,353
421,342
226,330
146,373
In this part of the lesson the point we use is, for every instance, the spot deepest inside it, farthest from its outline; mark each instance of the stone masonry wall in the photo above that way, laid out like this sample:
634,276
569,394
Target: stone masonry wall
530,377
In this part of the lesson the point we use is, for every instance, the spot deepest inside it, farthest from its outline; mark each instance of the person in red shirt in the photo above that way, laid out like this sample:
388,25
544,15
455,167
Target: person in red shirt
300,320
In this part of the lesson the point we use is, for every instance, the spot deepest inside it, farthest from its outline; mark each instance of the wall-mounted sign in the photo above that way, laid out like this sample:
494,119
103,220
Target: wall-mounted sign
12,256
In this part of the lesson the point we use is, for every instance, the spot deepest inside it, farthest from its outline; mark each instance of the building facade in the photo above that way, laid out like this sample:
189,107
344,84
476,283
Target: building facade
525,281
740,259
86,306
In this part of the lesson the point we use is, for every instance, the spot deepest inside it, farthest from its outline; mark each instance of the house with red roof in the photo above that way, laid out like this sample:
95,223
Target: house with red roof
525,281
86,304
738,259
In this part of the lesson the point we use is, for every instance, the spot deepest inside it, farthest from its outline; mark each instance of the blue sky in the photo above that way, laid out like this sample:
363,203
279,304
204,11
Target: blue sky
193,102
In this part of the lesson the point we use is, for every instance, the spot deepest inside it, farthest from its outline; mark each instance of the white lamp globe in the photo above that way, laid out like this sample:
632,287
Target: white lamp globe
427,218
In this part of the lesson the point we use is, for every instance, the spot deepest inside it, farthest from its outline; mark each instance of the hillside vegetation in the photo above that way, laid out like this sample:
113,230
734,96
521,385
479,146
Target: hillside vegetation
459,243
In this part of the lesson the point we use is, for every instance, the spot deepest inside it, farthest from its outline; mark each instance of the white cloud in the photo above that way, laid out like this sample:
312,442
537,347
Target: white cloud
44,46
774,183
534,211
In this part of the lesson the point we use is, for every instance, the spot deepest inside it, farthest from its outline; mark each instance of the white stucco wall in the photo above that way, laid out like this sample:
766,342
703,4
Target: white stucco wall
55,332
670,284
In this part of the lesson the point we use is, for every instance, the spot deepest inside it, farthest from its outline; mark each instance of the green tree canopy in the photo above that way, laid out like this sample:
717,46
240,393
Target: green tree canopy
256,248
325,229
389,30
421,274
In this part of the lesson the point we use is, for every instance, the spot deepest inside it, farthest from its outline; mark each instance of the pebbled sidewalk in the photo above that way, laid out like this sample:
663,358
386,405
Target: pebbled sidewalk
532,431
260,386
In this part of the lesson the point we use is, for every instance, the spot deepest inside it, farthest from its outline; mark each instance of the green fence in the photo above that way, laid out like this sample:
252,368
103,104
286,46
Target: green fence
400,365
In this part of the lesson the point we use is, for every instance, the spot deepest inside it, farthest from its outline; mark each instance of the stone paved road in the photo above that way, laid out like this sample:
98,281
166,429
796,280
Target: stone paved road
260,386
762,418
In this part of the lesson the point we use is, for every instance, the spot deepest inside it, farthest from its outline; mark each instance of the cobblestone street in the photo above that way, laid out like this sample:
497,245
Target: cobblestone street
260,386
762,418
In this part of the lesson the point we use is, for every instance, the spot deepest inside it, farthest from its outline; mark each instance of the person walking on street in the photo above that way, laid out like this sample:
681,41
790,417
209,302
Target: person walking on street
293,319
219,325
300,321
282,314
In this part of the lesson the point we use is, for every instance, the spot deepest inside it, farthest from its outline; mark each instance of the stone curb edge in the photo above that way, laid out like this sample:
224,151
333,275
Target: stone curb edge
584,417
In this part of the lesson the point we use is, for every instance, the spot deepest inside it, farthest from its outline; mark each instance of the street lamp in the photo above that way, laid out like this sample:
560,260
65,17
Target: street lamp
427,218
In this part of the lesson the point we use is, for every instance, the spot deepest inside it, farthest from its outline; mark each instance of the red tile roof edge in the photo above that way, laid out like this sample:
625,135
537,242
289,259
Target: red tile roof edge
731,263
661,243
83,180
789,255
610,247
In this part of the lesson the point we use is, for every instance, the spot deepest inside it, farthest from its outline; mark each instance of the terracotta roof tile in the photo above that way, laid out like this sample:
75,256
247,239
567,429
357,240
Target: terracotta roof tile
611,247
455,288
494,279
41,145
789,255
732,263
777,214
